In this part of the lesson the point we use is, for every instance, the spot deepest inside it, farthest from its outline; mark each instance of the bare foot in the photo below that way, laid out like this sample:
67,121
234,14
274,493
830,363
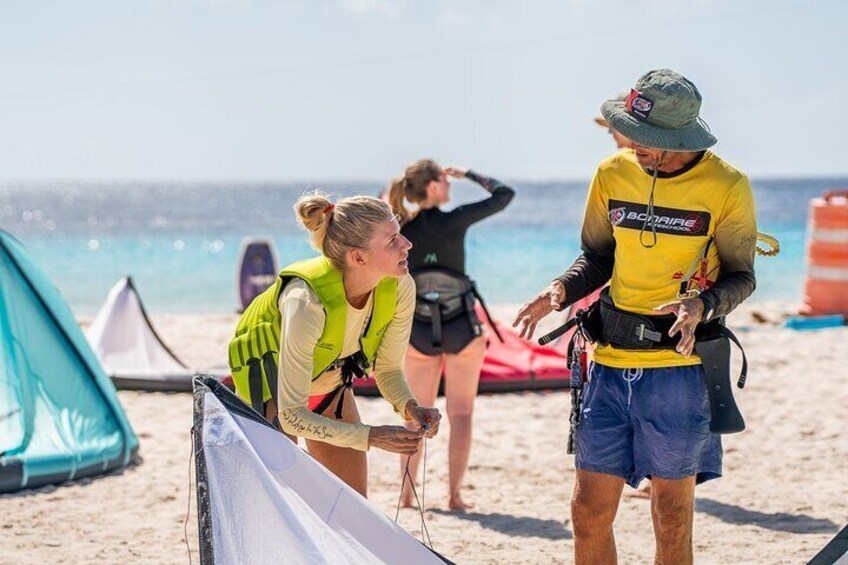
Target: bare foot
406,499
456,504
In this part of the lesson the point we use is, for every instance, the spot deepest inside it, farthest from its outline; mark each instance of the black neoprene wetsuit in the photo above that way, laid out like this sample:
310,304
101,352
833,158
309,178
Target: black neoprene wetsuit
438,237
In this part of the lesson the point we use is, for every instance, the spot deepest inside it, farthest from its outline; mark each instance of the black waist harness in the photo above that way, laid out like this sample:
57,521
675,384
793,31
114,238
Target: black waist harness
627,330
606,324
445,319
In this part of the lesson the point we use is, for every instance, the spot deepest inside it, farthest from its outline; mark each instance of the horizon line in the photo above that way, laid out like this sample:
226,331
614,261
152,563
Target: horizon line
340,180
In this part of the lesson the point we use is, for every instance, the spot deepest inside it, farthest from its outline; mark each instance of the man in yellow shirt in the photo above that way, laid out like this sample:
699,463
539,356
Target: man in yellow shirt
672,228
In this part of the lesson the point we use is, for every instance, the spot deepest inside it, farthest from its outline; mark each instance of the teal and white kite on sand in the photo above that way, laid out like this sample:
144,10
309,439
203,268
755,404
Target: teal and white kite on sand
60,418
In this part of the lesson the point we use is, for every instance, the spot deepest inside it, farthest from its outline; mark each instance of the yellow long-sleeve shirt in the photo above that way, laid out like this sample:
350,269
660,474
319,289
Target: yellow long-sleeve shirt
303,320
711,200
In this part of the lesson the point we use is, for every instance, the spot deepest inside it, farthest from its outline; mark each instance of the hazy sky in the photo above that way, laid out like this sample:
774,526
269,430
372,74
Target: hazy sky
355,89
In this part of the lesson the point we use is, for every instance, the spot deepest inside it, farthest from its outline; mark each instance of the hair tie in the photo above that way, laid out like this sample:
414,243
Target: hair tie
329,208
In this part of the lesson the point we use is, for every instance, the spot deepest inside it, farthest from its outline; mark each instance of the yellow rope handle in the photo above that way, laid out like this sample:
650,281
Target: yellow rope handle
769,240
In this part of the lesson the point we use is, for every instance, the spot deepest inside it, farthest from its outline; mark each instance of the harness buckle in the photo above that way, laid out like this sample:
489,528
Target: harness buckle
644,333
691,293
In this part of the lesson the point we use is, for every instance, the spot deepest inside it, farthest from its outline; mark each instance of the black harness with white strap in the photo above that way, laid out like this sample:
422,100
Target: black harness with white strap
605,324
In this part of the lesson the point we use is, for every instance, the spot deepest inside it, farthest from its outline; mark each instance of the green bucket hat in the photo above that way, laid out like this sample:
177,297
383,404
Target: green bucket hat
661,112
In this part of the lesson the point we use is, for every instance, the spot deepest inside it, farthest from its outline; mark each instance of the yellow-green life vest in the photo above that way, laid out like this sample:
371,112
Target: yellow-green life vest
257,339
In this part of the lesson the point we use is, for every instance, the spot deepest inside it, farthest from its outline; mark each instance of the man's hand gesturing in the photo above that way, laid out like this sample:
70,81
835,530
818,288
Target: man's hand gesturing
547,301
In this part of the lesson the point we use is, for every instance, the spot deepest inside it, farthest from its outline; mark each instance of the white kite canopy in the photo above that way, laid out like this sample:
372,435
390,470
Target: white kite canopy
128,347
261,499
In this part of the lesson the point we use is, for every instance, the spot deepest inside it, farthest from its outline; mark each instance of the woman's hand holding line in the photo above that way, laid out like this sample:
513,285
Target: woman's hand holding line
427,418
396,439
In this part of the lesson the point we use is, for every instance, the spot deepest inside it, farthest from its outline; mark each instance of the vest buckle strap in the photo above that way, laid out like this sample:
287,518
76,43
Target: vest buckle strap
353,366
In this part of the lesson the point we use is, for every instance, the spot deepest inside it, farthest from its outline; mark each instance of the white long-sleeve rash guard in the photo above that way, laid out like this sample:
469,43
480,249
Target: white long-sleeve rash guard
303,320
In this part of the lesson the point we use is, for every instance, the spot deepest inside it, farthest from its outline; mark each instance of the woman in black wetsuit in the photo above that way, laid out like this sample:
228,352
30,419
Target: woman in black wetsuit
438,252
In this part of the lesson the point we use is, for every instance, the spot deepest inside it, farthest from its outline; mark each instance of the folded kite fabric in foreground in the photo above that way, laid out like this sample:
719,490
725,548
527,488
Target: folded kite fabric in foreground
261,499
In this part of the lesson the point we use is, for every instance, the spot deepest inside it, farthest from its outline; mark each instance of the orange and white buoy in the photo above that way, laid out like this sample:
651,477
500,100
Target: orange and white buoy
826,286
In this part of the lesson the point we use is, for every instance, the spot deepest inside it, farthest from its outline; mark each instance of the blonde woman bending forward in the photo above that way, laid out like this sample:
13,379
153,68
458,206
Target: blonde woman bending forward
327,320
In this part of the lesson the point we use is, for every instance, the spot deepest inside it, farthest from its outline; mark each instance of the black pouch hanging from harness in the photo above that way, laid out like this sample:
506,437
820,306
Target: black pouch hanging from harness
606,324
588,329
445,319
577,364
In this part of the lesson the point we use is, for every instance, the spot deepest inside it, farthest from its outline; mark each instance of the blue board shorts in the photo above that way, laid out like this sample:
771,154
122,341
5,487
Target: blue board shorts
638,423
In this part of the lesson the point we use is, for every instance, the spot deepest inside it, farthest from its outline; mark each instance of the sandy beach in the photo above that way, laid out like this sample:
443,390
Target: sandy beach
783,496
167,161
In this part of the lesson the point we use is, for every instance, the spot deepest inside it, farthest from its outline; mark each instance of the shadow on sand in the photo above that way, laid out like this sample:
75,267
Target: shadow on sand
778,521
82,483
521,526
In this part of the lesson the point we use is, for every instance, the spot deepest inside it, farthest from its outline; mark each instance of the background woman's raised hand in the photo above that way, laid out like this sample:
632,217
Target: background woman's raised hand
456,172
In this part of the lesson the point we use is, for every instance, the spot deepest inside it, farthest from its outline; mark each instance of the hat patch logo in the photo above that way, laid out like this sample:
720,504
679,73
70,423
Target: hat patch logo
638,105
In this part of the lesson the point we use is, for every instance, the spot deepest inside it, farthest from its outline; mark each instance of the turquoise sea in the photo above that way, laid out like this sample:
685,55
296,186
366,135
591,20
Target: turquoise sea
180,241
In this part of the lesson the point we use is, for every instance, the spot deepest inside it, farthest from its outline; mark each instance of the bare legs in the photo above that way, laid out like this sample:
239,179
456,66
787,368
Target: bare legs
593,510
673,511
423,373
350,465
462,373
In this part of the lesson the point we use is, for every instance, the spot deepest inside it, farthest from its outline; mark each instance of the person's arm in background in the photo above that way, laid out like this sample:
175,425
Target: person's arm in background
501,195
